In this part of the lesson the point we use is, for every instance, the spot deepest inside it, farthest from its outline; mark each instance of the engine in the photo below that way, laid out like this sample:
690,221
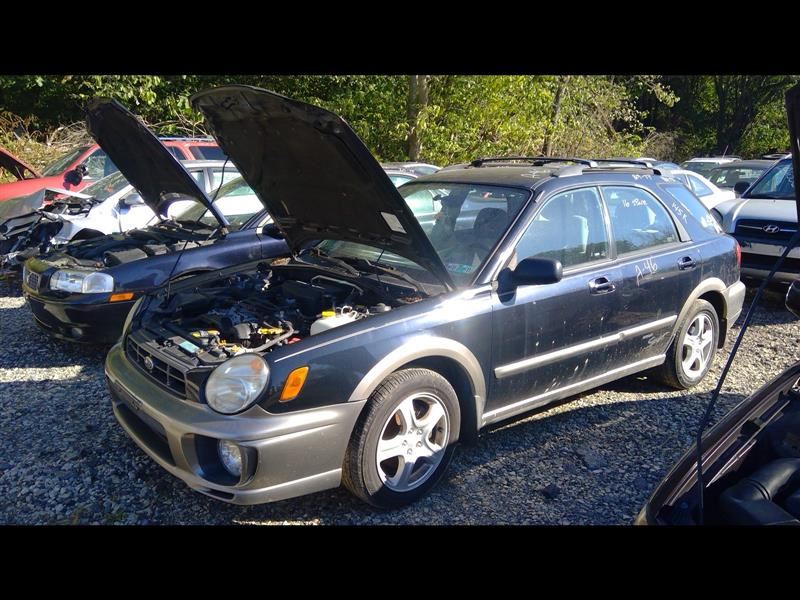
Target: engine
255,313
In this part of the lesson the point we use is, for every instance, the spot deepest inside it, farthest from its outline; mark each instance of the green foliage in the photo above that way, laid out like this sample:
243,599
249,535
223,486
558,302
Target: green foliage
465,116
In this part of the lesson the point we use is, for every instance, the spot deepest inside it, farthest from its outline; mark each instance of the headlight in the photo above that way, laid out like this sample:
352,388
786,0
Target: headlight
717,216
131,314
81,282
236,383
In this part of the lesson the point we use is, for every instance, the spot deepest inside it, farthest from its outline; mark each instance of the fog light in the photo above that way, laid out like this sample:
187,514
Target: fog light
76,332
231,456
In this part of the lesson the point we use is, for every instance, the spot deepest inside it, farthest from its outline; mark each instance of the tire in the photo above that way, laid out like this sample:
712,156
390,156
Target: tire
382,427
692,352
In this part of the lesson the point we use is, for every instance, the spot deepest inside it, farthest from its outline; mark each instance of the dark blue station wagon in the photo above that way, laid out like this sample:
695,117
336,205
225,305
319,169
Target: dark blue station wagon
367,356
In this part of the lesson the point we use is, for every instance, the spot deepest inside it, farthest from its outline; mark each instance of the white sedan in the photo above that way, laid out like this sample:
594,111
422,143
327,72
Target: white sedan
709,194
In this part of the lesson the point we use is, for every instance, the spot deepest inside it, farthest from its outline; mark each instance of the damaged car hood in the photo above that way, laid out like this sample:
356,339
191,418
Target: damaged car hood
146,163
314,175
16,166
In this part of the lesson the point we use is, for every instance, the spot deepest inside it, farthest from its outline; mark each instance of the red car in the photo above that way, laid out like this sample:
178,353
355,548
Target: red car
61,173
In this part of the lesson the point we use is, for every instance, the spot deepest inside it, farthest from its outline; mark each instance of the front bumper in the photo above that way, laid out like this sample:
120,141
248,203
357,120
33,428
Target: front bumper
759,257
90,320
286,455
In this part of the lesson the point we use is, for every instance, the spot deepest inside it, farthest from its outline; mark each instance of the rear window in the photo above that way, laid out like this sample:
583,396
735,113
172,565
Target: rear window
208,153
695,207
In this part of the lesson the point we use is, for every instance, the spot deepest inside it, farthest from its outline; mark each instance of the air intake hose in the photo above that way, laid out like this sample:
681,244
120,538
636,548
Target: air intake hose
751,501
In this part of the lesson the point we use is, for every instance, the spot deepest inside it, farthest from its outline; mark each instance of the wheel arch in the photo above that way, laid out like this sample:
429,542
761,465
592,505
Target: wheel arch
451,359
712,290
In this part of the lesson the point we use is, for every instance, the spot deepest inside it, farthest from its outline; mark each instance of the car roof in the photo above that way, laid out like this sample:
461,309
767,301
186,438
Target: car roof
204,164
748,163
530,177
713,159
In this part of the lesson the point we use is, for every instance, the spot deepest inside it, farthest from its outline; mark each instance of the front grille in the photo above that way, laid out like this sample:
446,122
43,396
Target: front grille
170,377
32,279
780,231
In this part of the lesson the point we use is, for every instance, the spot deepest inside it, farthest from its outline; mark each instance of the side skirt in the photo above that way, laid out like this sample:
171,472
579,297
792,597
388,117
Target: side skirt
522,406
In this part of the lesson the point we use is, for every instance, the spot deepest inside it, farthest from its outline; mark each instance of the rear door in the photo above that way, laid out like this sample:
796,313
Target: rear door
659,271
547,337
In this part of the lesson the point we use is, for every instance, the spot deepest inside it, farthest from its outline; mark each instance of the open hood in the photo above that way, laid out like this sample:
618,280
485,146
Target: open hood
312,172
17,167
144,161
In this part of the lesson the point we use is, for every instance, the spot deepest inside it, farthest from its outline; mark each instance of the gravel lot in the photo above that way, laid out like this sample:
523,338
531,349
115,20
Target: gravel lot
592,460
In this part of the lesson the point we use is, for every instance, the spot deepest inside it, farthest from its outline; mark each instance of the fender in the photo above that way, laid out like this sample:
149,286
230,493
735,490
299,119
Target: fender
712,284
423,346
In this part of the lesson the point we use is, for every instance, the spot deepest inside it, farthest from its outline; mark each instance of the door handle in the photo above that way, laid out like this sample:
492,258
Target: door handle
687,262
601,285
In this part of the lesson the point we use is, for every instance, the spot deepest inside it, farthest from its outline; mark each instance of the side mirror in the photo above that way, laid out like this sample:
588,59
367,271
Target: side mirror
531,271
793,298
272,230
133,199
740,187
76,175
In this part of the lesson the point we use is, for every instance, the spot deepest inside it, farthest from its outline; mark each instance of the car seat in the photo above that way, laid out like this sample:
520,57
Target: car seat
489,225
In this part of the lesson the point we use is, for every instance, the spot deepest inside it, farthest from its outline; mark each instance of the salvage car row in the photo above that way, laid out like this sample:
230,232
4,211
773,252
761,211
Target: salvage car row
395,322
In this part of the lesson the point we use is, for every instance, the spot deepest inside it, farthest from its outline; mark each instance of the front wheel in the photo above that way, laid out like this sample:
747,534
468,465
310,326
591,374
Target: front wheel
692,352
403,440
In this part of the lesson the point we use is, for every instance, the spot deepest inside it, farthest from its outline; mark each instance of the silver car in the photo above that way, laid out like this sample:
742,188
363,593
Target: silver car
763,221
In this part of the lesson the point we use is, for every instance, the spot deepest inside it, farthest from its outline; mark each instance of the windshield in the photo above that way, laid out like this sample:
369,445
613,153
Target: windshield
235,200
462,221
704,168
777,183
56,167
728,177
106,187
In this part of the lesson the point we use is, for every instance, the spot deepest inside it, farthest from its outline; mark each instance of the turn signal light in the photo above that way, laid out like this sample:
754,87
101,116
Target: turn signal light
294,383
120,297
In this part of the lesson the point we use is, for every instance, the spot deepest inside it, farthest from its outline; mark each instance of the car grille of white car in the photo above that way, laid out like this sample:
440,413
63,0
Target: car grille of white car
766,230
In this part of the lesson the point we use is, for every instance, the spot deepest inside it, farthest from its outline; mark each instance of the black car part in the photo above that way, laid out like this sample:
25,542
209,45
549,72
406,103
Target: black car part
792,111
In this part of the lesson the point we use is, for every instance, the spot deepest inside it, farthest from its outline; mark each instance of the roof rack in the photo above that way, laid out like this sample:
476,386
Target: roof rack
580,169
536,160
627,161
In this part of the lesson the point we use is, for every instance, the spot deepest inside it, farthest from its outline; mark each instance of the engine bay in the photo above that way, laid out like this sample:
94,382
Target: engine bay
119,248
756,480
275,306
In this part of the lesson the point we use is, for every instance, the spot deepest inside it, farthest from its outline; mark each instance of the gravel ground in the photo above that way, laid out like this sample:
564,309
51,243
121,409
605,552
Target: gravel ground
591,460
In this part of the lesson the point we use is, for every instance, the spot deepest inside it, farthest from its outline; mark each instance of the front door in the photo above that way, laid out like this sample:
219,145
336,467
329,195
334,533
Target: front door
548,337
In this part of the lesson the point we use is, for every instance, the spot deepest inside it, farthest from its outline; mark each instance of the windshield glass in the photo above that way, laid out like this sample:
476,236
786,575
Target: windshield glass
106,187
778,183
235,200
462,221
56,167
728,177
704,168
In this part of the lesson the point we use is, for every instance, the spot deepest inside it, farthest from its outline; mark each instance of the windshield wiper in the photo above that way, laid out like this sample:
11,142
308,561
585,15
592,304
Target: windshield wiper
335,261
393,272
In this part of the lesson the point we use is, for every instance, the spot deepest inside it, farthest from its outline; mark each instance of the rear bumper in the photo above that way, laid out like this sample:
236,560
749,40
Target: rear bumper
286,455
734,301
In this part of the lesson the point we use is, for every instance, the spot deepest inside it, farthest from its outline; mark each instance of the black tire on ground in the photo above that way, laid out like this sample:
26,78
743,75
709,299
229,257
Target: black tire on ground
672,372
381,420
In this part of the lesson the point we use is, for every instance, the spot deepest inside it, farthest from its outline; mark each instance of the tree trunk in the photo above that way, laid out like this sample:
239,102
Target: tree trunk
548,134
417,101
